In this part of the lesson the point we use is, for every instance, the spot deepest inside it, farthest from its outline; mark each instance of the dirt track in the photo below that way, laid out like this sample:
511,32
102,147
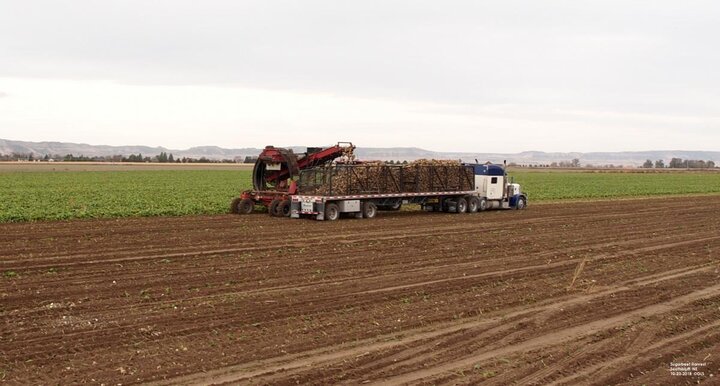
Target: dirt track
406,297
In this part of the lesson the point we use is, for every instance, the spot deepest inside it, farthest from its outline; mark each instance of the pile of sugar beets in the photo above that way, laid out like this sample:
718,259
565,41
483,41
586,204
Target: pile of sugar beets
378,177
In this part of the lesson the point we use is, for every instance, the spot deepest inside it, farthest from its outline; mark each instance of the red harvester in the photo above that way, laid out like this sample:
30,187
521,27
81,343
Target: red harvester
274,173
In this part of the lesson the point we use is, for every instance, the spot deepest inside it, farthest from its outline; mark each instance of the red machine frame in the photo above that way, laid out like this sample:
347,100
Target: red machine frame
273,174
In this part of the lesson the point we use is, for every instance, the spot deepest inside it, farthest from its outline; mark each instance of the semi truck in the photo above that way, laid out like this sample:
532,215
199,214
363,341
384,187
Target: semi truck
361,190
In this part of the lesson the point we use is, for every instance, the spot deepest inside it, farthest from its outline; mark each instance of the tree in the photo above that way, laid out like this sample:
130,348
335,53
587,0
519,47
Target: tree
576,163
659,164
711,164
170,158
648,164
676,163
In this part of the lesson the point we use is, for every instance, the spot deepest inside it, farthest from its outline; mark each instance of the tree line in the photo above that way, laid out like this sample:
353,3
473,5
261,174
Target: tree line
163,157
679,163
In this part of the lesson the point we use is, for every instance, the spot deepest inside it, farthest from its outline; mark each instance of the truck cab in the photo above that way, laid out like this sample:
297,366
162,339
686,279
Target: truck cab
492,186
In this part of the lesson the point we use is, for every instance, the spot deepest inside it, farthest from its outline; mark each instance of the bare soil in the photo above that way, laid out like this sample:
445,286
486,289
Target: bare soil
583,293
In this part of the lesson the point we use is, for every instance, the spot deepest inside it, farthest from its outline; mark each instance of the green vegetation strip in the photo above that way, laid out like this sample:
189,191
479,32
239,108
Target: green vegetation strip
66,195
553,186
108,194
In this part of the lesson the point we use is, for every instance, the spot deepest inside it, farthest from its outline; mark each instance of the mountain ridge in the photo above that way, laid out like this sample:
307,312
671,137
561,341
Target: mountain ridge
628,158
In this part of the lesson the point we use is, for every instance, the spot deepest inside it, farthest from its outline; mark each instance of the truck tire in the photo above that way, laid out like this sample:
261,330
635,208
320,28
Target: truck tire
283,209
234,205
369,209
482,205
272,208
521,203
332,211
473,204
461,205
245,206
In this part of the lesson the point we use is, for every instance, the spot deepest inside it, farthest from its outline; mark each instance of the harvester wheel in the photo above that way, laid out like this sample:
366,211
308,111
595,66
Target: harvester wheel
245,206
473,204
483,205
369,209
283,209
461,205
332,211
234,205
272,208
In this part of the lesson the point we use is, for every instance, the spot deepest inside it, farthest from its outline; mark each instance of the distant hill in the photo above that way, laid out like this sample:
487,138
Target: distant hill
634,158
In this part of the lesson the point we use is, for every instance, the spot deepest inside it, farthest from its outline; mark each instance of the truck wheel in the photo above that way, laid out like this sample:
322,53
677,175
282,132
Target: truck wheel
234,205
473,204
332,211
369,209
272,208
461,205
283,209
521,204
483,205
245,206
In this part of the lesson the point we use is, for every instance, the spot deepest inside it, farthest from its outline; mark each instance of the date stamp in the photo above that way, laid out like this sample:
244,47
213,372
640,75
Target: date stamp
687,369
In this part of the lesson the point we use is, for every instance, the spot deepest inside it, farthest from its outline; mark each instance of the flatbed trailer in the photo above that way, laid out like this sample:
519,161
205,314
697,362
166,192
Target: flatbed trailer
477,188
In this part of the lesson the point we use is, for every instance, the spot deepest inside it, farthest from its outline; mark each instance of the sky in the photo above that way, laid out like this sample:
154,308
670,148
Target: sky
475,76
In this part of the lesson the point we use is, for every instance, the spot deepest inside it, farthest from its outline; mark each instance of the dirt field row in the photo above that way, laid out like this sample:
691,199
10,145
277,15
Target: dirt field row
586,293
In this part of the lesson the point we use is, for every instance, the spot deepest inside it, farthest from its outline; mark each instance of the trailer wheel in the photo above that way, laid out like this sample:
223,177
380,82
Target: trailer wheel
483,205
521,204
369,209
332,211
473,204
273,207
245,206
234,205
283,209
461,205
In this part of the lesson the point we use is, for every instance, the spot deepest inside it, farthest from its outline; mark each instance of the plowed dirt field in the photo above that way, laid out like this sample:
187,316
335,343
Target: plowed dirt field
583,293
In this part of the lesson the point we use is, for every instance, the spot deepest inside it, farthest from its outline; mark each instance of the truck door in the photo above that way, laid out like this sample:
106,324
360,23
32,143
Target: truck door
495,188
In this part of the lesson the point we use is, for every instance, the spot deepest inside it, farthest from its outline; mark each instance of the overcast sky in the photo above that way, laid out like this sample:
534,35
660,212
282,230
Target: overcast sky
478,76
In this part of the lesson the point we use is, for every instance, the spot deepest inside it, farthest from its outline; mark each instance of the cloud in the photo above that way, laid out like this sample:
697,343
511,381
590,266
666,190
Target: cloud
411,67
611,53
4,94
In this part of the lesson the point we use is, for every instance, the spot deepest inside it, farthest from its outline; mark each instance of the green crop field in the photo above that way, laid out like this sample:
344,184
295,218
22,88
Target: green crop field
107,194
99,194
550,186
